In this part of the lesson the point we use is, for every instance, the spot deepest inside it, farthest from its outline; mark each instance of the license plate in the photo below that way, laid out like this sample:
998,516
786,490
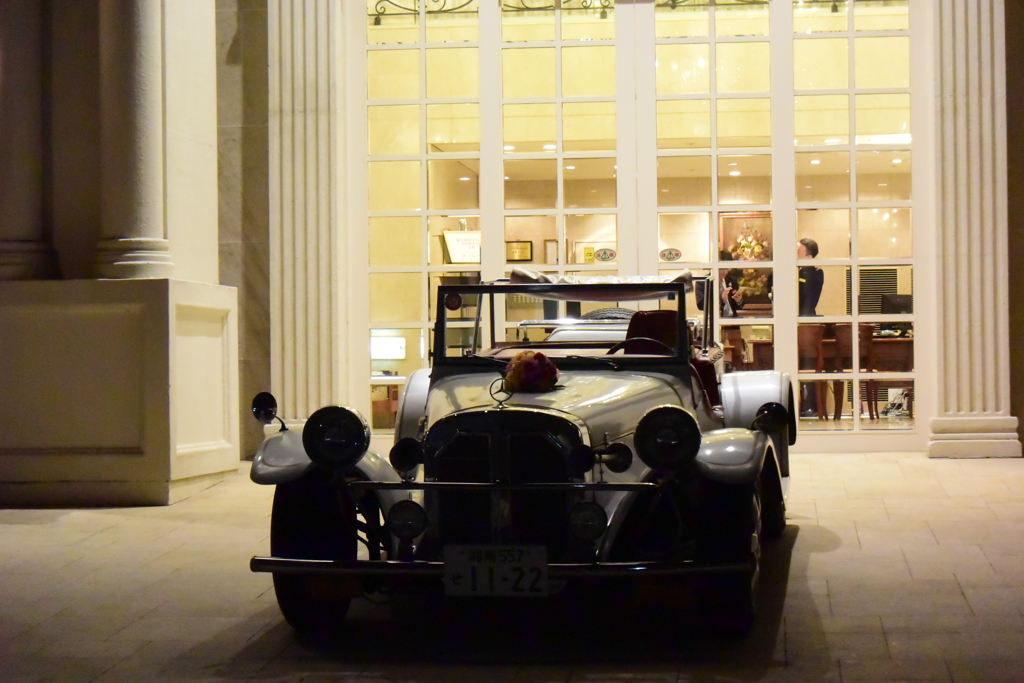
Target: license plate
504,570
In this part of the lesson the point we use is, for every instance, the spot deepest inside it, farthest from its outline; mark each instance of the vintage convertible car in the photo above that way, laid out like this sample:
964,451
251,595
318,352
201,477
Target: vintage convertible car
603,449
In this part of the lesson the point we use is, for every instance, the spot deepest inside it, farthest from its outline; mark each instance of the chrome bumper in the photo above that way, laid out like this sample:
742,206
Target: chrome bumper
435,570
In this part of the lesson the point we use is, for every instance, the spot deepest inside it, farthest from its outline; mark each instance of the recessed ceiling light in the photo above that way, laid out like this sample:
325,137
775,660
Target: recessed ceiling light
549,146
815,162
734,172
509,148
570,168
734,164
897,161
832,141
506,177
463,178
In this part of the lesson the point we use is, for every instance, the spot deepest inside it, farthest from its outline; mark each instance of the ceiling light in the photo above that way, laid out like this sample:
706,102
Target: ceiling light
733,164
734,172
832,141
509,148
549,146
815,162
570,168
463,178
897,161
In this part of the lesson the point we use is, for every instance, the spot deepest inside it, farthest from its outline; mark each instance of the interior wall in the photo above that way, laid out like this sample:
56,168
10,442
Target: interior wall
242,156
1015,152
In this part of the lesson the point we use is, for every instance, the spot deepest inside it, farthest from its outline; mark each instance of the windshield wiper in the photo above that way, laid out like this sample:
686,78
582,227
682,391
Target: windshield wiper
490,358
603,361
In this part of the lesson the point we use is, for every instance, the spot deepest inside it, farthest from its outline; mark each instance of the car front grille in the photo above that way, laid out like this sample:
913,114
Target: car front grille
508,447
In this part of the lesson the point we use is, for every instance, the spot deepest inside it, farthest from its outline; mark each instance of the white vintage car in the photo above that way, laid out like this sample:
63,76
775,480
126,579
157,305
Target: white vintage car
642,461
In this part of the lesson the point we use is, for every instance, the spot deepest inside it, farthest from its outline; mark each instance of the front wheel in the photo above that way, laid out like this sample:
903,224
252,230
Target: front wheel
734,596
313,520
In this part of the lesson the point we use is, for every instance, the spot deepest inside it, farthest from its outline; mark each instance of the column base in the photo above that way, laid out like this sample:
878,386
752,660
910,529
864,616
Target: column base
974,437
134,258
117,392
22,260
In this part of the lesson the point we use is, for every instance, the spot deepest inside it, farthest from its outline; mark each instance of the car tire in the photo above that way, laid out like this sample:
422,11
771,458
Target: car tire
733,602
311,519
773,505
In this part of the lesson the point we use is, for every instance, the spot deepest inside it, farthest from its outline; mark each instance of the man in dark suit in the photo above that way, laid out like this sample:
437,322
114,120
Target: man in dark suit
811,278
730,297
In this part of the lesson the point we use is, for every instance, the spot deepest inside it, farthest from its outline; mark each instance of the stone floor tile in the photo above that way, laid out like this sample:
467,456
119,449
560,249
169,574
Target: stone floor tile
801,646
894,670
830,624
19,669
984,670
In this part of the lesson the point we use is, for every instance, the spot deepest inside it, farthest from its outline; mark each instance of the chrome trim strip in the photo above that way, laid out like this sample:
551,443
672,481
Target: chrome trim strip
539,486
427,570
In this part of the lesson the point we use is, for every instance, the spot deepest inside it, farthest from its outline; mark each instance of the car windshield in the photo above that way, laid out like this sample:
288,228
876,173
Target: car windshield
610,321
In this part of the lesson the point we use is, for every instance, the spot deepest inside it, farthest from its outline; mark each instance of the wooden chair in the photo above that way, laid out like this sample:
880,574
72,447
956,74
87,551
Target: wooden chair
810,349
844,351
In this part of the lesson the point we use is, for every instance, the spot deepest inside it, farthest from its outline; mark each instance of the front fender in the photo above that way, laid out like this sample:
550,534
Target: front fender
743,394
281,459
732,456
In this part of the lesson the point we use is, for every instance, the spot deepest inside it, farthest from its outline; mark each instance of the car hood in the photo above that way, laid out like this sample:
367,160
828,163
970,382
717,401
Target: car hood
609,401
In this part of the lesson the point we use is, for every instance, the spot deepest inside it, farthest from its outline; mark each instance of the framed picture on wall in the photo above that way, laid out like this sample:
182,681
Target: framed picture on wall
521,250
551,252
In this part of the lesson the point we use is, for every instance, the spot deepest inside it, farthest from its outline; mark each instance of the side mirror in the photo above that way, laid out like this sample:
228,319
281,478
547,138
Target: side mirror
264,408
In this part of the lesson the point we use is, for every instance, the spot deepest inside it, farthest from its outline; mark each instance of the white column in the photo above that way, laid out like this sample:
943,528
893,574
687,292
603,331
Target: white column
133,240
306,313
973,417
25,252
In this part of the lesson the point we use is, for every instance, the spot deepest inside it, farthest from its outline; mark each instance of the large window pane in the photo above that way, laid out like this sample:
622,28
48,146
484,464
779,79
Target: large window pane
829,228
684,124
681,21
588,20
684,181
393,130
395,241
396,352
883,119
591,239
881,15
886,290
588,126
395,297
746,236
882,62
820,17
884,233
528,72
742,67
531,183
388,23
684,237
529,127
453,72
454,239
469,302
822,119
588,71
683,69
825,406
542,234
883,176
741,18
821,64
589,183
835,290
453,184
745,179
523,24
393,74
892,402
744,123
394,186
459,26
823,176
453,127
749,347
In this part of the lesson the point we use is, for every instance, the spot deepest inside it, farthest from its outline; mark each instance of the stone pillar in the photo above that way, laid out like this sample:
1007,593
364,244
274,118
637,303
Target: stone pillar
973,417
25,252
133,240
305,263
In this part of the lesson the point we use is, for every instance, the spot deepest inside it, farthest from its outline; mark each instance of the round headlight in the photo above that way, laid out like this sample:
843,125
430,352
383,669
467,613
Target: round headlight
407,520
587,520
406,455
335,436
667,437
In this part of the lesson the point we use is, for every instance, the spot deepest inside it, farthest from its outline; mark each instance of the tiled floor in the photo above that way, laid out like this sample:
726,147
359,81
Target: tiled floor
894,567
